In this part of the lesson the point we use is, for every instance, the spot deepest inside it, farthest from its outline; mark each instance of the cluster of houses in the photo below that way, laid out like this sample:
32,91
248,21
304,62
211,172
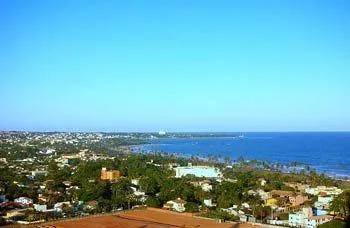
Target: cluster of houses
84,155
281,202
292,203
318,214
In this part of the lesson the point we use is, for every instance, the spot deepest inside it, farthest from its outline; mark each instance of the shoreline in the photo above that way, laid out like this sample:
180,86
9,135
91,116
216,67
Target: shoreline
335,176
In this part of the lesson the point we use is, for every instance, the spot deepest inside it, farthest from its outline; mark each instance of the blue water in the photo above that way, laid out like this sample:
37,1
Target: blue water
326,152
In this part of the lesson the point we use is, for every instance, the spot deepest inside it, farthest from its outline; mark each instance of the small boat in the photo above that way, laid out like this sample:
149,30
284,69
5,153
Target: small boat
241,136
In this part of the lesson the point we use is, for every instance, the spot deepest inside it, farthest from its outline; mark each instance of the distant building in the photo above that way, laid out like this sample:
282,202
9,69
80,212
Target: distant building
135,182
162,133
315,221
24,201
59,206
92,204
198,171
175,205
208,202
324,199
298,219
305,218
205,185
323,190
39,172
272,202
262,182
40,207
297,200
264,195
110,175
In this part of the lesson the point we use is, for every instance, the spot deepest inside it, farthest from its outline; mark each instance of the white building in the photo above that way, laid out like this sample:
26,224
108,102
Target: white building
59,206
325,190
298,219
264,195
198,171
39,172
39,207
24,200
306,219
207,187
315,221
135,182
208,202
324,199
175,205
162,133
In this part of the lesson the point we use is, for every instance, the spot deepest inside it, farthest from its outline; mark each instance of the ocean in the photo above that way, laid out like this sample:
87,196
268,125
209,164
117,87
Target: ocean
327,152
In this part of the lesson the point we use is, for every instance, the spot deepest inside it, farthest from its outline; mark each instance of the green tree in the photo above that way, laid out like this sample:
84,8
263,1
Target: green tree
152,201
341,205
191,207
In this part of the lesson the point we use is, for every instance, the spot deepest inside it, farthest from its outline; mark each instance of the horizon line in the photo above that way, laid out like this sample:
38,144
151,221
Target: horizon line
177,132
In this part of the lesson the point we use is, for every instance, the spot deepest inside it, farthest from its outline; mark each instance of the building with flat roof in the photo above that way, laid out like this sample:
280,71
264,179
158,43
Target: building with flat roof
198,171
110,175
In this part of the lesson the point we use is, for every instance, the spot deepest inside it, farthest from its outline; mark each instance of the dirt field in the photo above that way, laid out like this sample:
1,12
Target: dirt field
149,218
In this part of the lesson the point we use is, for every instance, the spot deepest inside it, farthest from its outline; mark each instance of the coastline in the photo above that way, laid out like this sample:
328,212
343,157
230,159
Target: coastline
279,166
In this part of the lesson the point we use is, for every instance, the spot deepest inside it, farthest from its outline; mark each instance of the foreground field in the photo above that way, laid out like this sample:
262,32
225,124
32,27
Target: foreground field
149,218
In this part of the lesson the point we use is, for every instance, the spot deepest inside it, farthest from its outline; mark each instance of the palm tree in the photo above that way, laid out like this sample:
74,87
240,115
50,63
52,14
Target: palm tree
341,205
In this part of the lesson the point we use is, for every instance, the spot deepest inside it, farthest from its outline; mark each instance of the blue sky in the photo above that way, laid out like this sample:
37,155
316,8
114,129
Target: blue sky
175,65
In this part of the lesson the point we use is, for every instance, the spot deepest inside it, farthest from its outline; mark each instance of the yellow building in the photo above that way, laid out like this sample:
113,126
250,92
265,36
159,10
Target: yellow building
271,202
110,175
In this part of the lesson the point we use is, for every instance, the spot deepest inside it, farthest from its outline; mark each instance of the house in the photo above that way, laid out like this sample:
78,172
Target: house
272,202
298,219
40,207
323,189
297,200
24,201
263,195
60,205
247,218
175,205
42,198
39,173
17,213
245,205
315,221
67,183
92,204
205,185
110,175
233,210
252,192
319,211
135,182
324,199
262,182
305,218
208,202
139,194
